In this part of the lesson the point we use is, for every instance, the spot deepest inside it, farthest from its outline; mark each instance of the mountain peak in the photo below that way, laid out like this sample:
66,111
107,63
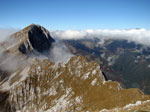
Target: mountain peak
30,40
32,26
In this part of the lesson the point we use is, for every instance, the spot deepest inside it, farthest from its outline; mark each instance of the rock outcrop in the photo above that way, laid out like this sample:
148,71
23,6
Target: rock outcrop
78,85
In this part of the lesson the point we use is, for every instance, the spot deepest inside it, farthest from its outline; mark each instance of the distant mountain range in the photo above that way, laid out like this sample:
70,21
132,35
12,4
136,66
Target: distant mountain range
31,83
120,60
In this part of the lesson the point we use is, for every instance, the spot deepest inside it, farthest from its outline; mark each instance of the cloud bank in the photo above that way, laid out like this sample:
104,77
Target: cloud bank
5,33
140,36
11,62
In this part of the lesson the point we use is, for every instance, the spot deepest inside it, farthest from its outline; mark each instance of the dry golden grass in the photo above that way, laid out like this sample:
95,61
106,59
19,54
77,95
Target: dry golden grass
102,95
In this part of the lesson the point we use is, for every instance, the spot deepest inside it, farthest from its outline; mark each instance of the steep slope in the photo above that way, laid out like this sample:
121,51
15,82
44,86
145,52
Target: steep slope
77,85
30,40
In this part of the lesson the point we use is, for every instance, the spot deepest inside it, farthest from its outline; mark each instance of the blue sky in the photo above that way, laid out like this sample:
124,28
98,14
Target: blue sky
76,14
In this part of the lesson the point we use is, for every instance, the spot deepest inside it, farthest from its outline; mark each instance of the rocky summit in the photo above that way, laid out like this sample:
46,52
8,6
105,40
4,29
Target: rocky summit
74,86
31,40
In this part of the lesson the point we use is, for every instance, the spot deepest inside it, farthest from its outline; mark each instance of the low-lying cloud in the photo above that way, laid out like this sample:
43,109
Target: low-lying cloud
59,52
9,62
140,36
6,32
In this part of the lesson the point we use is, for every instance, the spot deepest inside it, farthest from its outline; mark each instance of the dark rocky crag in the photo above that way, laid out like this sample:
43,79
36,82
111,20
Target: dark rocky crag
39,39
33,39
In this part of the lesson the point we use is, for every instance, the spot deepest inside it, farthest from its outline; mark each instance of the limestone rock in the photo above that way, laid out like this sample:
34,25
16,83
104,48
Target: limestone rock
77,85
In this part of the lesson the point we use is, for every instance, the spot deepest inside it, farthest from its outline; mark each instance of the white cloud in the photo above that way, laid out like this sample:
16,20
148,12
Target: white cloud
59,53
69,34
141,36
5,33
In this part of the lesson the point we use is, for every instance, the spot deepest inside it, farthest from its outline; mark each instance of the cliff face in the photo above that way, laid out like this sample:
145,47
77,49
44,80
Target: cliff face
39,40
74,86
